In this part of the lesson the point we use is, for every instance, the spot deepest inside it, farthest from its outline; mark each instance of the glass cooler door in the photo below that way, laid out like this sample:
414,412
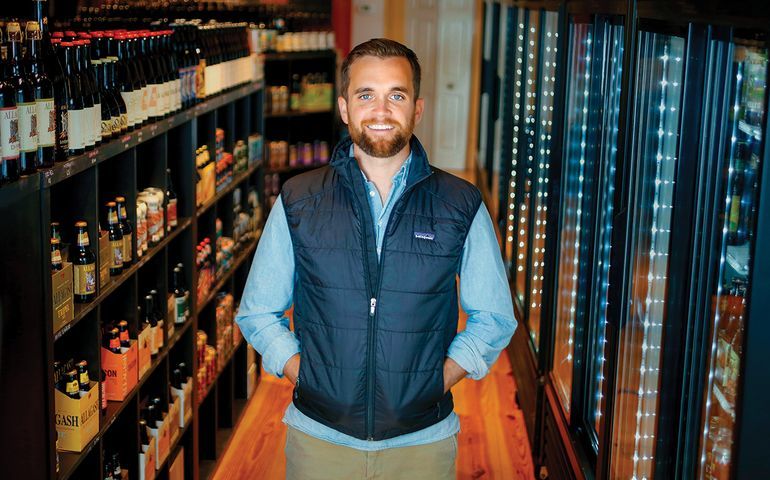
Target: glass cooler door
652,153
741,143
541,167
593,104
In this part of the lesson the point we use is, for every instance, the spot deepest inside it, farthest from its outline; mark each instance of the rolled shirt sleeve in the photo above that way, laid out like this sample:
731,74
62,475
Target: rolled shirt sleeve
269,293
485,297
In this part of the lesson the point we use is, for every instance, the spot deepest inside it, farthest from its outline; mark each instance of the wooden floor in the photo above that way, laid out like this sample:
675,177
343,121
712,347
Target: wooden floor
493,441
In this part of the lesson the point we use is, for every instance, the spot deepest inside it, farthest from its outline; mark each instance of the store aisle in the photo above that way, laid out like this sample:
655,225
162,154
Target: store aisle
493,441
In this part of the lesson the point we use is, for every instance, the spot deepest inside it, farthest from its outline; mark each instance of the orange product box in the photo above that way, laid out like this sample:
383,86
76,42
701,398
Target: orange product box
77,419
121,370
162,436
147,462
144,352
173,415
63,302
176,470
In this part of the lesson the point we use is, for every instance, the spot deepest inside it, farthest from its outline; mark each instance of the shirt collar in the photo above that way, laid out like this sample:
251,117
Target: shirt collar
401,174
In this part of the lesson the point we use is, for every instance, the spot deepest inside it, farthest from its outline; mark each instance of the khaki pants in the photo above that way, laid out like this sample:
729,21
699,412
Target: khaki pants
308,458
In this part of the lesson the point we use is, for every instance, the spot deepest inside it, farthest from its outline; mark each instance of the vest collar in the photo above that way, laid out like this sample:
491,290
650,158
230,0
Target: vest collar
345,165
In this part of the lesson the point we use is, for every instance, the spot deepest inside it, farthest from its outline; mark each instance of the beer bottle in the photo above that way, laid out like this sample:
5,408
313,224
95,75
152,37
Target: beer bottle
75,123
158,411
160,315
84,262
56,230
44,97
117,472
116,239
9,132
83,380
109,47
144,437
176,379
126,230
125,342
113,340
25,101
90,100
71,384
125,79
181,310
107,475
56,262
171,206
110,112
152,322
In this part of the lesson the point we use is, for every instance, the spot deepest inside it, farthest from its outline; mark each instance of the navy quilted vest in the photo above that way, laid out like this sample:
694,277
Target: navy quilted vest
374,334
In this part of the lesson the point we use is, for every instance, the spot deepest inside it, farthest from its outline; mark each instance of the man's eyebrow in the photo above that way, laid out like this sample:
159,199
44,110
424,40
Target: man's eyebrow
400,89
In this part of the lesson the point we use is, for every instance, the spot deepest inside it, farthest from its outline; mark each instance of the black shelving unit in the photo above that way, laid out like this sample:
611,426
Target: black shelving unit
298,126
77,189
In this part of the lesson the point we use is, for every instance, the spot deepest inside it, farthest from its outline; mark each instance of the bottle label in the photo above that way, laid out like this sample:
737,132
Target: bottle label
153,102
9,132
107,127
72,387
144,103
77,120
27,126
181,309
117,253
127,245
171,213
97,123
200,80
56,256
115,344
115,127
123,122
46,118
83,379
92,126
62,116
85,279
83,239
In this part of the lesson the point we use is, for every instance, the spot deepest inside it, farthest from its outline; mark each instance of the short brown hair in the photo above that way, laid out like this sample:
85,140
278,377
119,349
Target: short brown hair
381,48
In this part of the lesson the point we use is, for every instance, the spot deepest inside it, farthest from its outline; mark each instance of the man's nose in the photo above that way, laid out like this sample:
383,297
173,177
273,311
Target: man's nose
382,107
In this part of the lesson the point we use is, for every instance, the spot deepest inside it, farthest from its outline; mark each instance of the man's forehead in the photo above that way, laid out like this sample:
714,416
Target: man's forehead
391,72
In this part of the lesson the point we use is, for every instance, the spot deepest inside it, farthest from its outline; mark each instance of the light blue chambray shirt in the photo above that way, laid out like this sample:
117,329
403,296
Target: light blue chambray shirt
484,296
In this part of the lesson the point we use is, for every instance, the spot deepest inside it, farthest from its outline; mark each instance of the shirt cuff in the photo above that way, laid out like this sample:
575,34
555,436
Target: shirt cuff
462,351
280,350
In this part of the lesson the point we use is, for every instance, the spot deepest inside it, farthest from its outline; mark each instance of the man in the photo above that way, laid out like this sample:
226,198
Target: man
368,250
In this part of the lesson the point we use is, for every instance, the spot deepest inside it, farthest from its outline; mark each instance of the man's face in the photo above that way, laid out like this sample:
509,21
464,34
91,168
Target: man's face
380,109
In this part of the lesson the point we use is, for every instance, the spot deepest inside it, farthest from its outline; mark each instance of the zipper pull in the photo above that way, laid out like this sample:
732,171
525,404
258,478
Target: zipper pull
372,306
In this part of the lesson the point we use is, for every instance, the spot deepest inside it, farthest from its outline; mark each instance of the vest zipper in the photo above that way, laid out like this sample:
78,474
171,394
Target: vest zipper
375,289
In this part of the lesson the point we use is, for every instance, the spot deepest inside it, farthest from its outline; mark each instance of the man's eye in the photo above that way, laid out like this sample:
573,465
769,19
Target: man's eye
364,96
397,96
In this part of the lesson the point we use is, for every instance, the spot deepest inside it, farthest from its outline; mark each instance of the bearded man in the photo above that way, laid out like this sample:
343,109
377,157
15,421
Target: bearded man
369,250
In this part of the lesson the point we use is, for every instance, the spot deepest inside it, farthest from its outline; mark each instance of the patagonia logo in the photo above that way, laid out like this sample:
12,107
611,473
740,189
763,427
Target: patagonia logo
424,235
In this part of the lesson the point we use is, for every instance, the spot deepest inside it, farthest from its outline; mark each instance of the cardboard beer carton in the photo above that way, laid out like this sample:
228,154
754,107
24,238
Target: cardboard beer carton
176,470
184,395
147,462
77,419
62,289
121,370
144,354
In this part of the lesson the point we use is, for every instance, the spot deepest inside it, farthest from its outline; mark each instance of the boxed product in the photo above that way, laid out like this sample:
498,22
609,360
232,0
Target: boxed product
121,372
205,189
176,470
77,419
316,97
162,436
62,288
144,354
105,259
170,315
173,414
147,461
184,395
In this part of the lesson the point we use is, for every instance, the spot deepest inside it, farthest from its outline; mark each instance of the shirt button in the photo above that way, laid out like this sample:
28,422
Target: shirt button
371,194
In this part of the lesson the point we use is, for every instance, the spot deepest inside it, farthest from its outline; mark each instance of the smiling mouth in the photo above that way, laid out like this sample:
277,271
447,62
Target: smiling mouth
380,127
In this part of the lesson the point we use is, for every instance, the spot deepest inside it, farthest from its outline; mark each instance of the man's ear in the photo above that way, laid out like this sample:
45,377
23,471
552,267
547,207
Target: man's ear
419,108
342,104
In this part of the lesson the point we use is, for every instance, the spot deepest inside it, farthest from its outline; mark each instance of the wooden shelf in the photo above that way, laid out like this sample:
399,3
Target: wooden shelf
83,309
103,152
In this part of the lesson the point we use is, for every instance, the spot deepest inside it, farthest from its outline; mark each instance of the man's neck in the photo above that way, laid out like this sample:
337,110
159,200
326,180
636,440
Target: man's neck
381,171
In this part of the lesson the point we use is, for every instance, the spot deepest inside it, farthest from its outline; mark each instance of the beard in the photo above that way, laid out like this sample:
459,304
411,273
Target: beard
381,147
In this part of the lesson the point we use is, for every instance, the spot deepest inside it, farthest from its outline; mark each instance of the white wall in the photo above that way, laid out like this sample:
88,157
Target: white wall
368,20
